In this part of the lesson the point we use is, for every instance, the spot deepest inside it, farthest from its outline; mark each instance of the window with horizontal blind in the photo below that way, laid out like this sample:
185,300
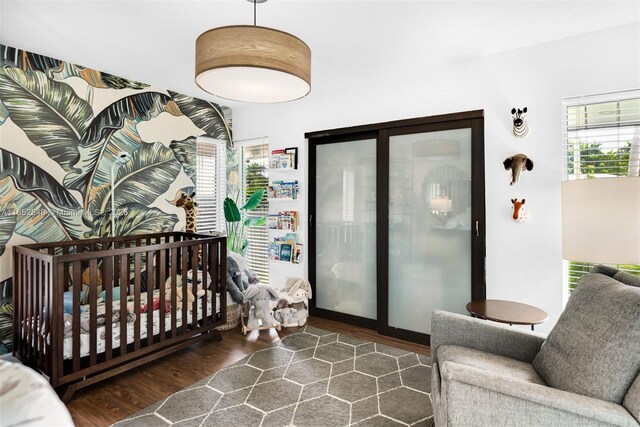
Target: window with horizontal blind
210,184
601,137
254,161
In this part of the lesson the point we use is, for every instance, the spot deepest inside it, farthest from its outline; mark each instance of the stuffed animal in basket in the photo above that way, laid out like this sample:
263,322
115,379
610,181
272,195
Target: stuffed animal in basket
296,290
258,296
291,317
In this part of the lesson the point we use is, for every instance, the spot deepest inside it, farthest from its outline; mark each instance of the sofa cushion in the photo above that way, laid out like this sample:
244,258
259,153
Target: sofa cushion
632,399
593,349
500,366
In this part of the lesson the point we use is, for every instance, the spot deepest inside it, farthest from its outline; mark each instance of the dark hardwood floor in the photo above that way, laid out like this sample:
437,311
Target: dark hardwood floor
114,399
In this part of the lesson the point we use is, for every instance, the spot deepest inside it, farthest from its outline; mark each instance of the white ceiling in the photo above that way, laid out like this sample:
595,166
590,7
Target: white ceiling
351,41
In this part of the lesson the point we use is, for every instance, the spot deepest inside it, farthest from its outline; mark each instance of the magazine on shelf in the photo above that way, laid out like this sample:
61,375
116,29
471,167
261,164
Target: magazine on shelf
286,249
291,238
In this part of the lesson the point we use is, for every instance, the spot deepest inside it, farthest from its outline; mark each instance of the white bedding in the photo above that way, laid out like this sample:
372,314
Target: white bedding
142,320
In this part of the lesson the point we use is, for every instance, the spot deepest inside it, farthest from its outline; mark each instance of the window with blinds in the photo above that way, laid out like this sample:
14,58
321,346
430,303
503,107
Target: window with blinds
601,137
210,184
254,161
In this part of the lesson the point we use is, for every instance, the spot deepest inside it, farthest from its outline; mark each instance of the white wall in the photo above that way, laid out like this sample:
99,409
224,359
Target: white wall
524,261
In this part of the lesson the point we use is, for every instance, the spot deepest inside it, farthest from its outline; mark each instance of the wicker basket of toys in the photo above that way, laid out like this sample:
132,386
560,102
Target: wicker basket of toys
233,317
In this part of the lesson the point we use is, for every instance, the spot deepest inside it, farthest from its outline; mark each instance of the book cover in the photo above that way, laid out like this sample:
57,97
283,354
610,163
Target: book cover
297,258
272,221
291,238
285,252
293,151
274,251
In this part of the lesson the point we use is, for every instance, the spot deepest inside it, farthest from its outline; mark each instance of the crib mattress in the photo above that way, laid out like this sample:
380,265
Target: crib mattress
131,326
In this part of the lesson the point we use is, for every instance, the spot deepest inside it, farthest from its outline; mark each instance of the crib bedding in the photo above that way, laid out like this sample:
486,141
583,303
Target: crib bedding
131,326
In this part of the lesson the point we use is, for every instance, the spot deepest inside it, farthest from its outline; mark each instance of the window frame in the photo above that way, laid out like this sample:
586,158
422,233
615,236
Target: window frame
572,273
260,266
220,176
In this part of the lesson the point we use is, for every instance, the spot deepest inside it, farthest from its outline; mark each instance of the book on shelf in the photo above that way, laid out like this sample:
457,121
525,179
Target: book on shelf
283,190
284,159
285,220
286,249
293,152
297,258
274,251
291,238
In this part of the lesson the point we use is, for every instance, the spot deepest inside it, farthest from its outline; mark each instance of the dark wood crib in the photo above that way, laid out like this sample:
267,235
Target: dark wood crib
53,278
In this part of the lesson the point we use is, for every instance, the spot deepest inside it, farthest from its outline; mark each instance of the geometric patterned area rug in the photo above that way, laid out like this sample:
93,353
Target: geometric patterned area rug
311,378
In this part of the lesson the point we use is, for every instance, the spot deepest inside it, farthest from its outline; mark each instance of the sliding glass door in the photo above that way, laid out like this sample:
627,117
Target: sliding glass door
345,228
397,222
429,224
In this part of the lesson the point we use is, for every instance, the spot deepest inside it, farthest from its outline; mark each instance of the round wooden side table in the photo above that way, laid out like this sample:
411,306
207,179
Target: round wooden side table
511,312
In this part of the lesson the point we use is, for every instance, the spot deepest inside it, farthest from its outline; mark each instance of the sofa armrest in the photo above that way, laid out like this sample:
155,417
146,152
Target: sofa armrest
465,331
515,401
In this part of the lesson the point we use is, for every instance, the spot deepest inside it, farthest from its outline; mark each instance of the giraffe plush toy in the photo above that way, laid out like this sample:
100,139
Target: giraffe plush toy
190,206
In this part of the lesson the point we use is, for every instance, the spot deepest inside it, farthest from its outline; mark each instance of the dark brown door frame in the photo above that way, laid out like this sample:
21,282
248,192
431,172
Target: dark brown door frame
381,132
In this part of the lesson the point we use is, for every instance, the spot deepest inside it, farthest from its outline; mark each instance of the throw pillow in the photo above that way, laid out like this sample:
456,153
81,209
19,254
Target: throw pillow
593,349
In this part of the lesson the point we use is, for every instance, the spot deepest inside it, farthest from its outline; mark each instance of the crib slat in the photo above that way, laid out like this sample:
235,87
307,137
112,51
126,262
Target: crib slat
162,276
149,296
57,331
124,285
213,272
48,316
93,311
174,297
184,270
205,284
136,298
108,283
42,282
194,283
221,253
76,282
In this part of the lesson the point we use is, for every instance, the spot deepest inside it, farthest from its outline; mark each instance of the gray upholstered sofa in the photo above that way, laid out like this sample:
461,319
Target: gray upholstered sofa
585,373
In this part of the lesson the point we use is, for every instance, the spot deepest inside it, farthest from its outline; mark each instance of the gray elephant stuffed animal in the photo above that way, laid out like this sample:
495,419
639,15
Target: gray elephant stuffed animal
517,163
258,296
291,317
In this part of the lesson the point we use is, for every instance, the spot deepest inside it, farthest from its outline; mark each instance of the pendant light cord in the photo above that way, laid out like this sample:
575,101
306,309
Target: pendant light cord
254,12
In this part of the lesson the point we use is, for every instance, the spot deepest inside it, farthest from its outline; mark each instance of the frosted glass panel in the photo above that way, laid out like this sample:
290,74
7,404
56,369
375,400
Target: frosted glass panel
429,226
346,227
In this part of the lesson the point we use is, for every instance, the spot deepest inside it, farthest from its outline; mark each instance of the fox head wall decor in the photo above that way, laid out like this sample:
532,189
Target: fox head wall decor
520,213
520,125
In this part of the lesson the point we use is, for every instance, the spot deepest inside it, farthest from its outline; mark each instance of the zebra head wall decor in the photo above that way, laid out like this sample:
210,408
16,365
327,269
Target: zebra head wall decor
520,125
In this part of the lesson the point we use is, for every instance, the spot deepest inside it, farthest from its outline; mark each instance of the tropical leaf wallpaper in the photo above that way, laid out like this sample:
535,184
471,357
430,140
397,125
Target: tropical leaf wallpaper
62,127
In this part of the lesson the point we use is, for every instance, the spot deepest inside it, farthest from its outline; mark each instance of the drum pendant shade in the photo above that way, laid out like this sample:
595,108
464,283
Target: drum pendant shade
253,64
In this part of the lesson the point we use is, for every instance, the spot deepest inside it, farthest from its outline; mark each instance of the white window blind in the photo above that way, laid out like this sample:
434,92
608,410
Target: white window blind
254,161
601,139
210,184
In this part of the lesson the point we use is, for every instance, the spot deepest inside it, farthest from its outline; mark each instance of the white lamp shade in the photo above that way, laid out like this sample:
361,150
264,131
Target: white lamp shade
601,220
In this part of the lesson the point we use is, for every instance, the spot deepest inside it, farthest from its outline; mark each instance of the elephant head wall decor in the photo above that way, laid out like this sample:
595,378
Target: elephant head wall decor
520,213
520,125
517,163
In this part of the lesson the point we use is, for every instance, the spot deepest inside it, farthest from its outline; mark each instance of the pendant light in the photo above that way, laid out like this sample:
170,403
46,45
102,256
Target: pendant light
253,64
